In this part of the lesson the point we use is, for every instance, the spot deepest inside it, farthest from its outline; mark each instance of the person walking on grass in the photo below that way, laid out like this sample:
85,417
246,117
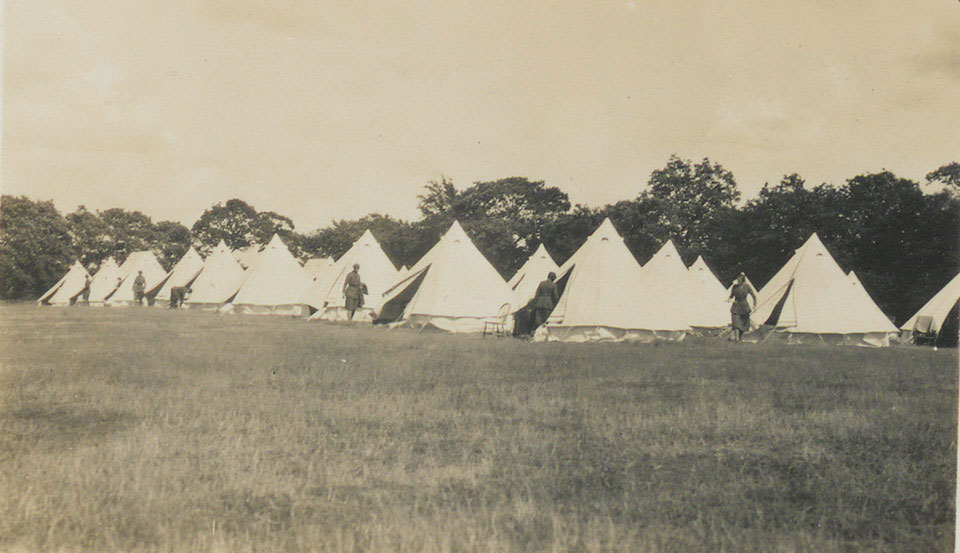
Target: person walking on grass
353,290
740,310
139,284
544,300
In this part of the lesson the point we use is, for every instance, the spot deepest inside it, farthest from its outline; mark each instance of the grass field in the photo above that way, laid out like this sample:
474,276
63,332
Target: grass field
158,430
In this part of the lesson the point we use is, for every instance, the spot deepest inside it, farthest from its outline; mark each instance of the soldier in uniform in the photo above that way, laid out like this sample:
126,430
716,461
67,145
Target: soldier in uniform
353,290
139,284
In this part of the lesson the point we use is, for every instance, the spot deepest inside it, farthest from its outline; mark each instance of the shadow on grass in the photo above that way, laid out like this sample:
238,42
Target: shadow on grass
53,427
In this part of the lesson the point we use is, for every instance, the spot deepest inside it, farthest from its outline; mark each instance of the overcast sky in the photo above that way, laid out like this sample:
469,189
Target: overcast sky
322,110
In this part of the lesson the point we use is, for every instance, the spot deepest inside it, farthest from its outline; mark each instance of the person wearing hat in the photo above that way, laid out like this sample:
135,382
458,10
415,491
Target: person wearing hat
544,300
139,284
740,310
353,290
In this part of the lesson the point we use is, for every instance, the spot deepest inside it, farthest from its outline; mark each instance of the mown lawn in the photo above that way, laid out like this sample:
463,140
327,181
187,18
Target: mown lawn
152,430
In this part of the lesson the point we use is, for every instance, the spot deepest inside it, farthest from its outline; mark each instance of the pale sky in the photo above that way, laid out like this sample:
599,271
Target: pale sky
326,110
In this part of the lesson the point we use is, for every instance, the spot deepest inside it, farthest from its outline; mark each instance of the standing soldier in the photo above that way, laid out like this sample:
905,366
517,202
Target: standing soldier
353,290
86,290
139,284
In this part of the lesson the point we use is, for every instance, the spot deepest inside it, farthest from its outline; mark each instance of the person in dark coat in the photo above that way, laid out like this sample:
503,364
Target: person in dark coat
353,290
139,285
740,310
177,295
544,300
86,290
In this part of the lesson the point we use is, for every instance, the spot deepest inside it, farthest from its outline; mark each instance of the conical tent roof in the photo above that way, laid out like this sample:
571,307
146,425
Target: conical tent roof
317,266
247,257
603,296
67,288
707,279
182,274
276,279
144,261
524,283
711,309
453,287
666,276
939,306
812,295
219,280
376,271
105,281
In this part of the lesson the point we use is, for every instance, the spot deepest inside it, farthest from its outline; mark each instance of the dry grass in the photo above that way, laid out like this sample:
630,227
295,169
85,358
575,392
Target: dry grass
151,430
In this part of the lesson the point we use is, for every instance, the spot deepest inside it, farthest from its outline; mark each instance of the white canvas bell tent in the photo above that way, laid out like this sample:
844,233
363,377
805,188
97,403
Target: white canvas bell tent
452,288
666,275
316,267
524,283
715,310
377,272
602,297
274,284
218,281
247,257
153,274
106,280
182,274
68,288
707,279
811,300
942,305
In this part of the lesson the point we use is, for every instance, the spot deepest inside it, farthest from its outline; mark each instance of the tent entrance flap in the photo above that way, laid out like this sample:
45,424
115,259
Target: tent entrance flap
774,317
393,309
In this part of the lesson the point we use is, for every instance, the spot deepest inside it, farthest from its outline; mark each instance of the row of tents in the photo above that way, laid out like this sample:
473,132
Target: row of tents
604,293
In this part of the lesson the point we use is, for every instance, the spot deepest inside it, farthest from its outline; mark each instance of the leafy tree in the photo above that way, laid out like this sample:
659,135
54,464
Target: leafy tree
35,249
691,198
92,238
439,197
947,175
505,217
395,236
240,225
897,239
762,236
172,241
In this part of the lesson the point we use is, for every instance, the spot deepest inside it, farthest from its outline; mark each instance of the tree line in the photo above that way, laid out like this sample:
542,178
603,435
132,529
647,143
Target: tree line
900,237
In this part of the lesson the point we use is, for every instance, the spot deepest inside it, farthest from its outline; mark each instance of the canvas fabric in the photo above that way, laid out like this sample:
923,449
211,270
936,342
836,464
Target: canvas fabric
534,271
275,282
459,288
105,281
153,274
218,281
939,307
817,298
183,274
605,290
66,290
377,272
